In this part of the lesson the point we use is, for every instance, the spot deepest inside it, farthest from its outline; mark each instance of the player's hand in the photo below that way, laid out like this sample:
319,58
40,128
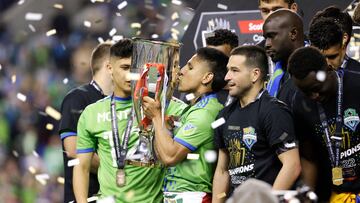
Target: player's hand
151,107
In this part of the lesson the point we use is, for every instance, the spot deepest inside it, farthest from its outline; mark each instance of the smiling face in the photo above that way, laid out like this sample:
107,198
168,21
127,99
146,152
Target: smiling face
119,69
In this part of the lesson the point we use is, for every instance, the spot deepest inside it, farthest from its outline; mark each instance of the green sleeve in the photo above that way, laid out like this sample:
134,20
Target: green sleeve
85,141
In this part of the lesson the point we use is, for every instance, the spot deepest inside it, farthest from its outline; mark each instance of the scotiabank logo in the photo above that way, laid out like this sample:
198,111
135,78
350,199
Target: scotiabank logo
250,26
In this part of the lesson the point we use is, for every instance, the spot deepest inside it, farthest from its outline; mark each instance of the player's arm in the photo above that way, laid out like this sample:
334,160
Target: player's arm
289,171
221,181
81,177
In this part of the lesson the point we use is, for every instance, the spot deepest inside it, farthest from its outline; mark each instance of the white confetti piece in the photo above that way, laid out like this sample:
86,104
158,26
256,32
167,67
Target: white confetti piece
175,23
35,154
52,112
192,156
93,198
321,76
186,27
0,66
174,16
33,16
32,28
21,97
160,17
65,81
100,40
112,32
222,6
174,36
149,7
190,97
21,2
60,180
217,123
118,14
51,32
135,25
164,5
138,32
58,6
133,76
87,23
117,38
13,79
176,2
73,162
43,176
210,156
41,181
122,5
173,30
15,153
32,169
109,199
154,36
177,123
49,126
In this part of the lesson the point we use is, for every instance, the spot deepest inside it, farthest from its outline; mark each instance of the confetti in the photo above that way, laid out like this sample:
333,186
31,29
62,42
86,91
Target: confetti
100,40
49,126
15,153
87,23
138,32
65,81
13,79
222,6
321,76
210,156
122,5
58,6
149,7
174,16
174,36
21,97
109,199
73,162
21,2
32,28
160,17
52,112
176,2
60,180
175,23
93,198
33,16
32,169
35,154
51,32
117,38
129,195
217,123
177,123
133,76
163,4
154,36
135,25
192,156
118,14
186,27
43,176
190,96
221,195
0,66
173,30
112,32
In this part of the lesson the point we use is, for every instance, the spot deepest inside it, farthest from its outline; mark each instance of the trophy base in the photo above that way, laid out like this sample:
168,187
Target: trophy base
145,149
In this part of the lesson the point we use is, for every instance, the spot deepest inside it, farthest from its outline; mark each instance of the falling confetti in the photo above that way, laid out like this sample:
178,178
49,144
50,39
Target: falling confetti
73,162
122,5
58,6
177,123
52,112
49,126
174,36
61,180
32,169
154,36
93,198
176,2
0,66
173,30
21,97
112,32
217,123
133,76
135,25
109,199
87,23
160,17
117,38
175,23
51,32
174,16
32,28
100,40
35,154
65,81
13,79
210,156
190,97
192,156
118,14
21,2
186,27
222,6
321,76
33,16
15,153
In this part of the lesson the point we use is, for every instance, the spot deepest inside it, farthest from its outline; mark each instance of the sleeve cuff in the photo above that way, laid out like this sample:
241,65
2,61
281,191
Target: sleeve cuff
67,134
185,144
81,151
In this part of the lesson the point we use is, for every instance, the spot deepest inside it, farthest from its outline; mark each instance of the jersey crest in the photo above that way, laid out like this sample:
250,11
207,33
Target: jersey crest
351,118
249,137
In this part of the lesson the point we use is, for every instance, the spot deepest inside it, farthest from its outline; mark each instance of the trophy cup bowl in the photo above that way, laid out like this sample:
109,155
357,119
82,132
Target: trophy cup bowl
157,65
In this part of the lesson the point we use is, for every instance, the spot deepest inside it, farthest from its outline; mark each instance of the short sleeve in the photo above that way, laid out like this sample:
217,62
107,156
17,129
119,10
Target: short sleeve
85,141
218,138
196,130
279,125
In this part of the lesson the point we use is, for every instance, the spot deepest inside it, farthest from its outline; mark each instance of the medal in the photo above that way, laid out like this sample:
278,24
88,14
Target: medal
337,176
120,177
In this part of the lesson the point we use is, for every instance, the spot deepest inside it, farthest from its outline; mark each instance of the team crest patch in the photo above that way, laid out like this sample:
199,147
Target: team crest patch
249,137
189,129
351,118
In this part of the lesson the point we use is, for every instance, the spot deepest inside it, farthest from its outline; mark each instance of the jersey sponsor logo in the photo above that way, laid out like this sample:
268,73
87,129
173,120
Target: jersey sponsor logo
350,151
249,137
106,116
241,169
351,118
189,129
232,127
250,26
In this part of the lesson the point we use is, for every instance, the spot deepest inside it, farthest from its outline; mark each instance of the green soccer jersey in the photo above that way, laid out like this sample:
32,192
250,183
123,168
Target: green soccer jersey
95,134
196,134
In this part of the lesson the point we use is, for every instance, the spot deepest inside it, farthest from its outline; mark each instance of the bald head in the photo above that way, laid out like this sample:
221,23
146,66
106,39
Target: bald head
283,31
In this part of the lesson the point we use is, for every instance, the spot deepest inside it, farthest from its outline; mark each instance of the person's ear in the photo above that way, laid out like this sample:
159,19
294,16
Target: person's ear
344,40
256,74
293,34
294,7
208,77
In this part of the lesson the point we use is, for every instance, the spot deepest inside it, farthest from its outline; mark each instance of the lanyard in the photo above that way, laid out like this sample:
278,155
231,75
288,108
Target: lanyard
97,87
120,151
337,138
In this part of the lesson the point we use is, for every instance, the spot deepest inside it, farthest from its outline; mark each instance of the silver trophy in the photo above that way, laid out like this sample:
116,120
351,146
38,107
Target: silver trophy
157,65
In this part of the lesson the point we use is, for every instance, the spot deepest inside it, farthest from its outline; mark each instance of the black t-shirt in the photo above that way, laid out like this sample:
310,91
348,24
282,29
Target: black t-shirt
287,92
252,135
312,136
71,108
